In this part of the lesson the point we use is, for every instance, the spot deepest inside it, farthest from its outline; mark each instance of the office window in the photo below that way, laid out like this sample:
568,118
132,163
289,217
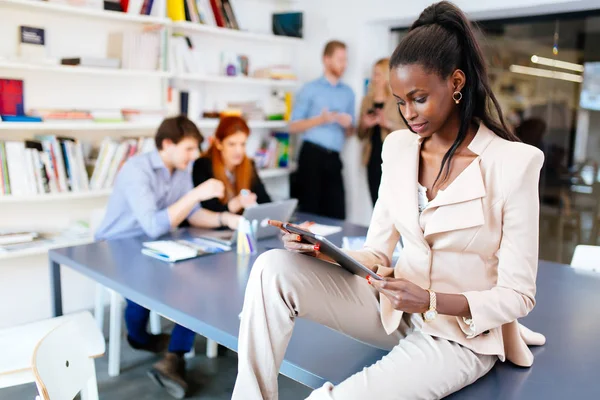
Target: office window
545,72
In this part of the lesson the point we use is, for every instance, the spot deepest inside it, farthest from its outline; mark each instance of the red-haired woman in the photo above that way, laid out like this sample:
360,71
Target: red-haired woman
226,161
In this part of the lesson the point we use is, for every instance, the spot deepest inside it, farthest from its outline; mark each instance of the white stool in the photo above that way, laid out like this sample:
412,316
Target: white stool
18,345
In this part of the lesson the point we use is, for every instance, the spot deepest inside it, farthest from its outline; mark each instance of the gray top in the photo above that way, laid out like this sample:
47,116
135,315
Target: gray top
206,295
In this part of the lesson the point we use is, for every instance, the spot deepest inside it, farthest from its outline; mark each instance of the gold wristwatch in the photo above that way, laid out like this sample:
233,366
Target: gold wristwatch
431,314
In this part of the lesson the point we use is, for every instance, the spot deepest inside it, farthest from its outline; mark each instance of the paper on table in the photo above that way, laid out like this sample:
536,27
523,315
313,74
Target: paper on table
324,230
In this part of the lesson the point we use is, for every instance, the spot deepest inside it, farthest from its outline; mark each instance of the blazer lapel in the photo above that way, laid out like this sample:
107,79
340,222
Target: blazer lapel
402,179
459,206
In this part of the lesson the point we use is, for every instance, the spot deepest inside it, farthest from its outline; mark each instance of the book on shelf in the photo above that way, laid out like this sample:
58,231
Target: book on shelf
12,101
136,50
77,231
274,152
205,13
19,118
184,57
62,115
111,157
209,12
92,62
32,44
59,164
15,237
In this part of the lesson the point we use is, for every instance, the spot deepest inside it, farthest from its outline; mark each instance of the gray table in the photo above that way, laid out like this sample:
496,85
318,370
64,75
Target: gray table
206,295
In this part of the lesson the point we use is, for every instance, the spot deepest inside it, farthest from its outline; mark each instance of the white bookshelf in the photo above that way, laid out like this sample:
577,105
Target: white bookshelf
190,28
67,69
42,248
183,79
51,205
121,126
67,196
212,124
77,126
65,9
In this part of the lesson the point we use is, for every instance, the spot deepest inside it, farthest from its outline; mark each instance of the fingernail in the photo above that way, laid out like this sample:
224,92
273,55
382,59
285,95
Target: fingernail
317,247
369,279
298,238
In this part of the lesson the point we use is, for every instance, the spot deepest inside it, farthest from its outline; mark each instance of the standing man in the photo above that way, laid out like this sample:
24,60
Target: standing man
153,193
324,112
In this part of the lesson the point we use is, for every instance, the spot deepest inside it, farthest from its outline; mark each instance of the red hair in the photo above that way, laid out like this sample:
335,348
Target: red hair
228,126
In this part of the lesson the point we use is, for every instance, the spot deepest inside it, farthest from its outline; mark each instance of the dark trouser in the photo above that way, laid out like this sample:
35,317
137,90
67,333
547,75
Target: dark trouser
136,319
320,188
374,177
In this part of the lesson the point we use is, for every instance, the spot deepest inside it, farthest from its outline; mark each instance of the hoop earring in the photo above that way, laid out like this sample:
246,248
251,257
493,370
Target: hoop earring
457,96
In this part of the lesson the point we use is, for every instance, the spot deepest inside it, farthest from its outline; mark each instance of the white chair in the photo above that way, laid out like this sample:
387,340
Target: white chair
61,366
116,316
18,344
586,257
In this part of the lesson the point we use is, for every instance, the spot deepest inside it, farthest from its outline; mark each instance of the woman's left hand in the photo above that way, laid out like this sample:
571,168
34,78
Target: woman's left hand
404,295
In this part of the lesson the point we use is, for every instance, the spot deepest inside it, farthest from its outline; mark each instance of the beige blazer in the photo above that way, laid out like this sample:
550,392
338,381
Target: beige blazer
478,237
390,111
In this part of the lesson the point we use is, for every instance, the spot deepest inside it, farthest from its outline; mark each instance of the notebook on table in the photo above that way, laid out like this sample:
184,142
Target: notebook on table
180,250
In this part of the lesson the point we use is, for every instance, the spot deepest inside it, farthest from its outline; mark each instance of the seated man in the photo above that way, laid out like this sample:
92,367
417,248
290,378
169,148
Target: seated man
153,193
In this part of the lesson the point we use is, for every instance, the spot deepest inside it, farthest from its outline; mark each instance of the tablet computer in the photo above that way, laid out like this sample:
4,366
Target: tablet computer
331,250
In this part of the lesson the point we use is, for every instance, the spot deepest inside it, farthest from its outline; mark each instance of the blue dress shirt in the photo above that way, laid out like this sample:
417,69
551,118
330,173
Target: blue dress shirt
143,191
310,102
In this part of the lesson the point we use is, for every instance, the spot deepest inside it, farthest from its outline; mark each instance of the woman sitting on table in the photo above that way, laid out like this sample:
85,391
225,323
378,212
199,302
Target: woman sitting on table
462,191
226,160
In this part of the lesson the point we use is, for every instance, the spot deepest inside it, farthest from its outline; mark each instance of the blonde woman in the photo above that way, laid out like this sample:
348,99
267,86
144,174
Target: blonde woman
378,117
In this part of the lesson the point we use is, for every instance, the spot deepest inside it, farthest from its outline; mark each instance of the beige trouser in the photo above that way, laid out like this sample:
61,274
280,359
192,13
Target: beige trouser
286,285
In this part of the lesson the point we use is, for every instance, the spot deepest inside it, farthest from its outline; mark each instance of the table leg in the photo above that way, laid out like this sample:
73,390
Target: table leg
55,289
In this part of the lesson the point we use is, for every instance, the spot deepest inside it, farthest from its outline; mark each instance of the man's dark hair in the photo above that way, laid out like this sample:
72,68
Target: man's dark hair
176,129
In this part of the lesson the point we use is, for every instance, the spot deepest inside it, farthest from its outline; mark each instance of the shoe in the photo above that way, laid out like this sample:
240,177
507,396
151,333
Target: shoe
169,373
156,344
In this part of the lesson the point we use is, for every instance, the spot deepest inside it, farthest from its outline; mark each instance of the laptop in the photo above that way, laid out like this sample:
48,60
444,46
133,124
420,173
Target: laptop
277,210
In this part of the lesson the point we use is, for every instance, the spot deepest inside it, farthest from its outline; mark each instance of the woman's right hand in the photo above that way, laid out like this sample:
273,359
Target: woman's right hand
293,242
241,202
210,189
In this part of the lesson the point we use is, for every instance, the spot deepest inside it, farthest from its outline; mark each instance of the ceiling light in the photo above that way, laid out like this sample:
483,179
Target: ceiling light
550,62
544,73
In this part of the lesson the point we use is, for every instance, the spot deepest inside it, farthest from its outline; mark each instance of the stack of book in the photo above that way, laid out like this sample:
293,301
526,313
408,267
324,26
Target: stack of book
184,57
15,237
282,72
210,12
49,164
111,157
136,50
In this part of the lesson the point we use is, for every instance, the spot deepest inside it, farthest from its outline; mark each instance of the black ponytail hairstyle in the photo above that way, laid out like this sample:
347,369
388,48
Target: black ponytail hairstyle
442,40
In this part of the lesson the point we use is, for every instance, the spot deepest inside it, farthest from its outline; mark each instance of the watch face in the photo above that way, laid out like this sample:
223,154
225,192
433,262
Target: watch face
430,315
